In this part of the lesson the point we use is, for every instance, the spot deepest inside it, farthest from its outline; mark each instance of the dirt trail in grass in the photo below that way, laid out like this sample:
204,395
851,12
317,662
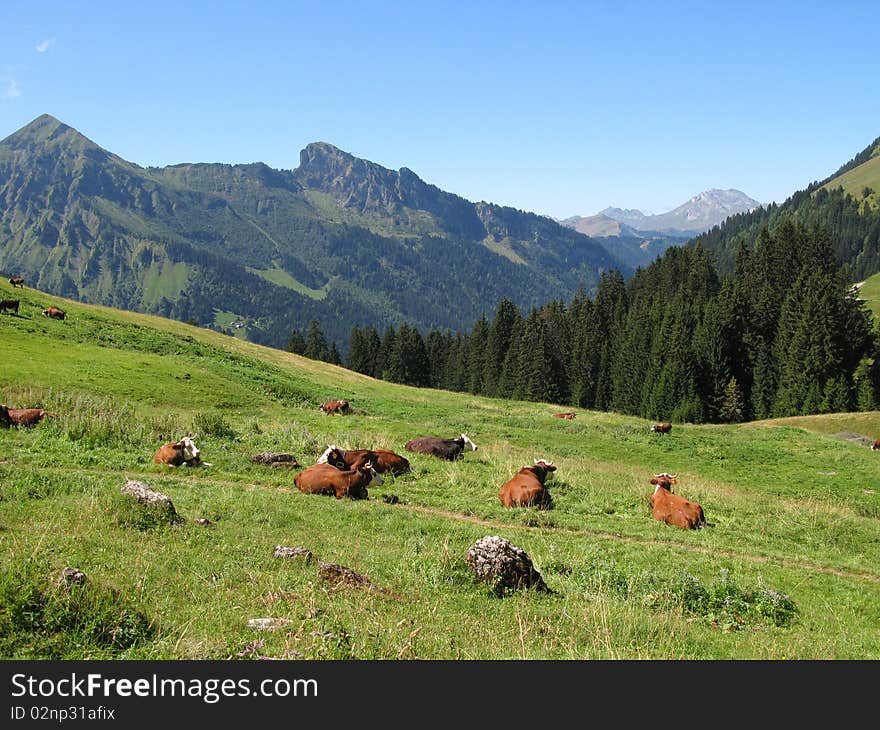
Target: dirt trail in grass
647,541
472,519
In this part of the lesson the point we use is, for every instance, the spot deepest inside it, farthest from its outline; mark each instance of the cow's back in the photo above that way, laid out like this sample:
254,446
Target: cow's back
524,489
448,449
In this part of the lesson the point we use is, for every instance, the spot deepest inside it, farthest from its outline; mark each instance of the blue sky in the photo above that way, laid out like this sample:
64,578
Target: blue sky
561,108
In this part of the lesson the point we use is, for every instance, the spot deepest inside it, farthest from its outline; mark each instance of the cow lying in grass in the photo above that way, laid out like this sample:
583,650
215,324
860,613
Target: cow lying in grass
675,510
527,487
180,453
22,416
327,479
384,461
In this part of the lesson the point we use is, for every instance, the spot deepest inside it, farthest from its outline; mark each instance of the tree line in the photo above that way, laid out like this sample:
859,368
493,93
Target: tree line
783,334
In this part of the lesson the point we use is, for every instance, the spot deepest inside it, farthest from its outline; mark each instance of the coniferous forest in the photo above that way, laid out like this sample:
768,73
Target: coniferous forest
783,334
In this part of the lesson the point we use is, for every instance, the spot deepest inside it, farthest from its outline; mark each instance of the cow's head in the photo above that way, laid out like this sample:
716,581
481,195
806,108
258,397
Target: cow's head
547,466
664,481
5,418
189,449
325,457
375,477
466,442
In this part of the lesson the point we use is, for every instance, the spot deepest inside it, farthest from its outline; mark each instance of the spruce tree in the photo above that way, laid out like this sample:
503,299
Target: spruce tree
296,343
316,343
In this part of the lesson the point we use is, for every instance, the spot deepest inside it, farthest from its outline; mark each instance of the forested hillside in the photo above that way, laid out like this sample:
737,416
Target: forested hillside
783,334
849,212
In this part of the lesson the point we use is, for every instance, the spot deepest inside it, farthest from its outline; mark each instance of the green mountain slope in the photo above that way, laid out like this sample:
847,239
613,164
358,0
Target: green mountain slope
339,239
795,510
855,180
837,203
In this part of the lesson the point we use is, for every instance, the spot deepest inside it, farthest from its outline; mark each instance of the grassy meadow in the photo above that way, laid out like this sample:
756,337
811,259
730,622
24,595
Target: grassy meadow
791,569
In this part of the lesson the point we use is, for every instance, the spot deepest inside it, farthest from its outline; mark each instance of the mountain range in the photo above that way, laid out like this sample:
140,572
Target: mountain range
697,215
258,251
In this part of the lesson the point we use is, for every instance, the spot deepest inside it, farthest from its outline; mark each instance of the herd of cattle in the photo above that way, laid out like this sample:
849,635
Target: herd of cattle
12,305
351,473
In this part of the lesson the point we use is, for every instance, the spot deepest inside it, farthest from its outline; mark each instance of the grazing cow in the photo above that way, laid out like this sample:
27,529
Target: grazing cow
327,479
23,416
661,428
54,313
673,509
17,281
336,406
9,304
384,461
876,445
527,486
180,453
449,449
567,416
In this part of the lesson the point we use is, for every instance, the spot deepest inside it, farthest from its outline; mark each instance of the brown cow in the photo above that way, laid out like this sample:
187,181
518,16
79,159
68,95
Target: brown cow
567,416
661,428
180,453
384,461
335,406
876,446
17,281
527,487
327,479
673,509
9,304
54,313
5,420
23,416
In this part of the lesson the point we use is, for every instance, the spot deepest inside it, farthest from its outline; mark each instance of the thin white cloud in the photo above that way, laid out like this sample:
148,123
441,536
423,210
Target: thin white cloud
45,45
12,89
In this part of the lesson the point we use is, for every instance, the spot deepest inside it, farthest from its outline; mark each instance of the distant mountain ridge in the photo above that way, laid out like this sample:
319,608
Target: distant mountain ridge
697,215
339,239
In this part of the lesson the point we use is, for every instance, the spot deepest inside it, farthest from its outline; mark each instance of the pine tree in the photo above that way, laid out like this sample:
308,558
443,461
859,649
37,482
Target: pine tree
733,406
477,356
316,343
333,356
507,318
296,343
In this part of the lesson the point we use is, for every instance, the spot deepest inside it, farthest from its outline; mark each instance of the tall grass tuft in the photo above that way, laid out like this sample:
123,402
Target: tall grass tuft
42,618
213,424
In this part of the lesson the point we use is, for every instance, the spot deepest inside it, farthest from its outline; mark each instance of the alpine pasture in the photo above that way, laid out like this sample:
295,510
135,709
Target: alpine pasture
790,570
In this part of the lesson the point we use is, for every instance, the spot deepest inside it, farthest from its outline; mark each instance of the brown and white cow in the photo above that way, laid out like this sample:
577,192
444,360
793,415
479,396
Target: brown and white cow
568,416
180,453
22,416
449,449
17,281
10,305
384,460
327,479
54,313
661,428
528,486
336,406
876,445
673,509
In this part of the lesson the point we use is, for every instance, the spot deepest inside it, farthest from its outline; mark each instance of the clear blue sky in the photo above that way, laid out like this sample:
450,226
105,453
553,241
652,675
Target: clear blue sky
561,108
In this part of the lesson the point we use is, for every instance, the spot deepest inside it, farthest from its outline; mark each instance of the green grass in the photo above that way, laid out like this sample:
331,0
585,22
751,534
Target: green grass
282,278
870,292
856,180
790,570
